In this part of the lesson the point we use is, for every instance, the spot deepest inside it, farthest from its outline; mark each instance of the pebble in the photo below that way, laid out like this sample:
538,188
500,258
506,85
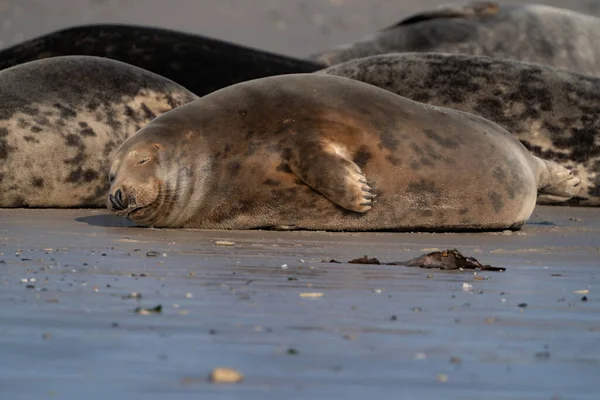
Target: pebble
311,294
224,243
226,375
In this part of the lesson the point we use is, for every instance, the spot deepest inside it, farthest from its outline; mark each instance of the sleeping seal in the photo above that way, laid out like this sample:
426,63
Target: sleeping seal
555,114
60,121
527,32
313,151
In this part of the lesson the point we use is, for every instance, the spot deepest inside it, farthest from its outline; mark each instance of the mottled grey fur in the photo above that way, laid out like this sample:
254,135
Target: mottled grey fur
311,151
555,114
528,32
60,121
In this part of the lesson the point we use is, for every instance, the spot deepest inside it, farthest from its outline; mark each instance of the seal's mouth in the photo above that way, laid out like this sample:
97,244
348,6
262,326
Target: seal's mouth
129,205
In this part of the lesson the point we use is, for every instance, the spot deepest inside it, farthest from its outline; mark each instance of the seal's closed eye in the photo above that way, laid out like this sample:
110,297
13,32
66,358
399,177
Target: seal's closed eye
143,161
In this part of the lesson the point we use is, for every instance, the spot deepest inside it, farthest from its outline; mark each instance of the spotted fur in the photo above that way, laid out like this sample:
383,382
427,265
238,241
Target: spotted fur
527,32
61,120
315,151
554,113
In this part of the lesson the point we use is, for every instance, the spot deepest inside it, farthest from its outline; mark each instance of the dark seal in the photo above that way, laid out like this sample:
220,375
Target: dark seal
198,63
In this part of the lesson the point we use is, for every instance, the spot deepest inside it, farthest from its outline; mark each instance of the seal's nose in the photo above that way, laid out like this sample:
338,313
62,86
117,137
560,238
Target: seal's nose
118,201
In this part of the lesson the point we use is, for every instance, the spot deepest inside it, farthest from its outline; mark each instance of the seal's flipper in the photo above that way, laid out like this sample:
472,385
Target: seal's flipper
327,168
470,10
555,182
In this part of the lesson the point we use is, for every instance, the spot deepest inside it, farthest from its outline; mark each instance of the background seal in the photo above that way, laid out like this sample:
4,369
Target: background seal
60,120
527,32
554,113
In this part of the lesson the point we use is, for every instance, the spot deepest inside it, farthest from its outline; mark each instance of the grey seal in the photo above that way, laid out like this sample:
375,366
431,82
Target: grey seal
535,33
313,151
554,113
61,119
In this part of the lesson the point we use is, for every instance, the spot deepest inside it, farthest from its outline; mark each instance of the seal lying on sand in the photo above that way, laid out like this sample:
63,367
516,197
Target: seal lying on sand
555,114
314,151
60,120
200,64
527,32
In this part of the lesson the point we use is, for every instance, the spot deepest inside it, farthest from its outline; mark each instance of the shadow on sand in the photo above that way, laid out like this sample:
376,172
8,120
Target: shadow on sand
107,220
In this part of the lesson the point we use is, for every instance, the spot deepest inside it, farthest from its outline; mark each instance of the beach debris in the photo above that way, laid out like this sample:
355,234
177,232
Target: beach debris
450,259
148,311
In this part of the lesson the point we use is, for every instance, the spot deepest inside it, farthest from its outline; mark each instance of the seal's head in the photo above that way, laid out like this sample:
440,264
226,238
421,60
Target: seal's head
151,179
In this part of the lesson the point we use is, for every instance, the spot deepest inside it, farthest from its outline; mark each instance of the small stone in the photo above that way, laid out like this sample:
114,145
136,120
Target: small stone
152,253
542,355
584,299
292,352
148,311
46,336
132,295
226,375
455,360
442,378
522,305
224,243
189,295
420,356
312,295
429,276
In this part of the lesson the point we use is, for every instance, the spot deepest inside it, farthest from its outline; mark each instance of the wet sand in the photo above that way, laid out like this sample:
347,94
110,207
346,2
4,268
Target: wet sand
68,329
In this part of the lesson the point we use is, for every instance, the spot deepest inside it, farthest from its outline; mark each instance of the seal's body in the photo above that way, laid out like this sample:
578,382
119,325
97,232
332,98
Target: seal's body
527,32
554,113
321,152
60,121
198,63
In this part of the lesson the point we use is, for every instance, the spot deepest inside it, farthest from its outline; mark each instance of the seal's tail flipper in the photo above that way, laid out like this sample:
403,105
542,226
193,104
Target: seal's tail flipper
555,182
